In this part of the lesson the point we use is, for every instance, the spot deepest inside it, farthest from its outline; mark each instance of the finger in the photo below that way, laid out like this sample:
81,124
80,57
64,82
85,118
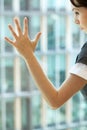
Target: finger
25,26
12,31
36,40
37,37
9,41
17,23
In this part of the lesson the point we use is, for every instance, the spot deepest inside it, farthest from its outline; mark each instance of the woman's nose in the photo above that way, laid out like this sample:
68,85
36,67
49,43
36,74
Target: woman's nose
76,21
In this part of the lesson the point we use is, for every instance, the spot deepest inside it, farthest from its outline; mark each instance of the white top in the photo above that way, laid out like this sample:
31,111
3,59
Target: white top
80,70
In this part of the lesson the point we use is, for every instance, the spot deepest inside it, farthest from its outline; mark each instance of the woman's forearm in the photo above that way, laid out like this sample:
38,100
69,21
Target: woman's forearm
46,87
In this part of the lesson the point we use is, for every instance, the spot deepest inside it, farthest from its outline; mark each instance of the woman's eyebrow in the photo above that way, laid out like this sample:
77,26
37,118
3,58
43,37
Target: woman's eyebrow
75,9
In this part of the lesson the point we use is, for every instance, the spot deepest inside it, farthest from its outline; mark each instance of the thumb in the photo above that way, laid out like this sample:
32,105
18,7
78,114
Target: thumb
36,39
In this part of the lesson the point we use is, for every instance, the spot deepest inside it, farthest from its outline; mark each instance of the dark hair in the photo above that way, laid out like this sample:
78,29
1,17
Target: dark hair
79,3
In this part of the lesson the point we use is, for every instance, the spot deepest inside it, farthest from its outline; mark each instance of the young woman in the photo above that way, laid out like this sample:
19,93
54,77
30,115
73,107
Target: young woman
77,78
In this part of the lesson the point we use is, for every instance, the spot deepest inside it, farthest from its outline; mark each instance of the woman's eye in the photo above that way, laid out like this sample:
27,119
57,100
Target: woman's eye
76,13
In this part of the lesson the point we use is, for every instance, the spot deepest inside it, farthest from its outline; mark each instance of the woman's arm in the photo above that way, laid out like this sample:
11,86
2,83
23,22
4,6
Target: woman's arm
25,47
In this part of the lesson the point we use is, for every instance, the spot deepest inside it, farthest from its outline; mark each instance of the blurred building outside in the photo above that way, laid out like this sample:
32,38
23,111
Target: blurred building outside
22,107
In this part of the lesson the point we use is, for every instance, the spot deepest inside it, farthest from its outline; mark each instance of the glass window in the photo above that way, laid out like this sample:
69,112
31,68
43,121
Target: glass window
62,5
0,116
51,34
0,48
51,4
7,47
10,114
30,4
62,76
26,114
85,109
0,4
50,117
24,4
8,5
0,76
62,31
60,69
75,36
26,84
34,28
51,68
35,4
9,75
36,107
61,114
75,113
0,34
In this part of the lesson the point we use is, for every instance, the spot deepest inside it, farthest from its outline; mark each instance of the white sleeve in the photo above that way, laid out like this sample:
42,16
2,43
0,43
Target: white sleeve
80,70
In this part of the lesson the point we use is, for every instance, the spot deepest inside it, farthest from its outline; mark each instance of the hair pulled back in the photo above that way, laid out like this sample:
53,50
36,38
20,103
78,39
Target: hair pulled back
79,3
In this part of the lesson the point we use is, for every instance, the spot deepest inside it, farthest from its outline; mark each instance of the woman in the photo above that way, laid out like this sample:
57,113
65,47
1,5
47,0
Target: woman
77,78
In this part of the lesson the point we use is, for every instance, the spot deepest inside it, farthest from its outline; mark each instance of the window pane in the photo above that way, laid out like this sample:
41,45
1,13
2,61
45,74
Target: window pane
76,114
8,4
51,4
30,4
10,114
51,34
51,68
26,83
36,107
34,28
0,77
7,47
75,36
0,116
9,71
62,31
26,114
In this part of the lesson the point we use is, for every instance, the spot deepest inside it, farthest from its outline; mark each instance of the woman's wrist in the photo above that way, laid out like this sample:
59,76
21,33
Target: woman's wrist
28,56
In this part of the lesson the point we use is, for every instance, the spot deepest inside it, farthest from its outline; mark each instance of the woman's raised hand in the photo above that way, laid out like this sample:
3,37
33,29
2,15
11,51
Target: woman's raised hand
21,40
